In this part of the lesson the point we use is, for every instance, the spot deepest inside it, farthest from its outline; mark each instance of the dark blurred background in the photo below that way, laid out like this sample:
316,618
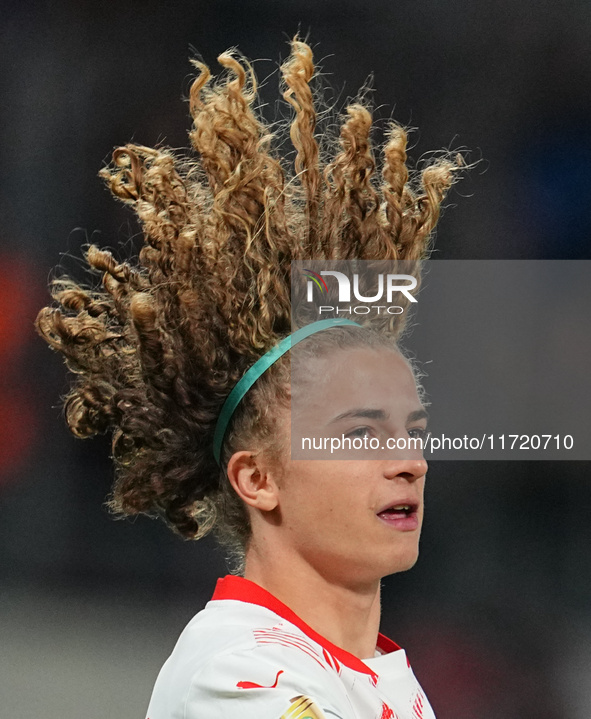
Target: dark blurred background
496,616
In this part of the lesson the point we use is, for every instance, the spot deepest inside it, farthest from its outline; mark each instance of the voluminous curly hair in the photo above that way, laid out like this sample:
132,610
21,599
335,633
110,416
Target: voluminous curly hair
157,349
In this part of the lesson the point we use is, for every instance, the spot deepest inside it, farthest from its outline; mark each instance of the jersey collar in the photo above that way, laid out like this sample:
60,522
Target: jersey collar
243,590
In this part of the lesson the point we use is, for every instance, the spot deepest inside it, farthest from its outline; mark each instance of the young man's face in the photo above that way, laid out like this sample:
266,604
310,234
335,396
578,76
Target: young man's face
356,519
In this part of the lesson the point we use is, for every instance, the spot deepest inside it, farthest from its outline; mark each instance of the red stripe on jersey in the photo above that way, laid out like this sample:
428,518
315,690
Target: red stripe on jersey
387,713
278,633
287,643
266,636
330,660
243,590
417,707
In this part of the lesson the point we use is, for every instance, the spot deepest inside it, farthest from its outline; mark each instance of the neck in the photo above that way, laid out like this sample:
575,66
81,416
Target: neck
347,615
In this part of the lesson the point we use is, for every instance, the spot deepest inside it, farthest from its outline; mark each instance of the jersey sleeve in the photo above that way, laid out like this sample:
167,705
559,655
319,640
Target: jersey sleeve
266,682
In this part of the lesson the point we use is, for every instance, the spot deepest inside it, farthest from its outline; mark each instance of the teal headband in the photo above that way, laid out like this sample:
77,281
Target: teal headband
260,366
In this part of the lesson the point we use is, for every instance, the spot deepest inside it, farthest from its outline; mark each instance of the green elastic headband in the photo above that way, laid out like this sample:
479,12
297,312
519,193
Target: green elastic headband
260,366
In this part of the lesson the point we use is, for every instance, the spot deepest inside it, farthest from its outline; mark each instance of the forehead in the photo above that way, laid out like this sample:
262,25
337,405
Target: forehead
378,378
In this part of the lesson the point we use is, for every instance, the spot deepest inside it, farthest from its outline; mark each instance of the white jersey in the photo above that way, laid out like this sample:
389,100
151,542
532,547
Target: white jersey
248,656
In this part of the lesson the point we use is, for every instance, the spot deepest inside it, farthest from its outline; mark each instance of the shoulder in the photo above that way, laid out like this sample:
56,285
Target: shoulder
240,659
266,681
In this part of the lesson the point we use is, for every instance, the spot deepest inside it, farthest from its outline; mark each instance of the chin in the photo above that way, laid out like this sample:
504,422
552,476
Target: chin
404,563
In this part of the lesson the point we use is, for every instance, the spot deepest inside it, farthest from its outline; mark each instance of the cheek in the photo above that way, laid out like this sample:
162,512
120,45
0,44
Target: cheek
315,491
334,502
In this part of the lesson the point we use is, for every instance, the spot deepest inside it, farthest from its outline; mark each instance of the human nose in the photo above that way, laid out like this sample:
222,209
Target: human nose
408,469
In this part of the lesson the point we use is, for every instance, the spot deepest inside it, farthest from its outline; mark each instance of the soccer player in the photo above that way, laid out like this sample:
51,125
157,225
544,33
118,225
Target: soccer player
185,358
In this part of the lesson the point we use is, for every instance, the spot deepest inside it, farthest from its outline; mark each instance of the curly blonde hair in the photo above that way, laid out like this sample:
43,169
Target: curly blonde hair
158,347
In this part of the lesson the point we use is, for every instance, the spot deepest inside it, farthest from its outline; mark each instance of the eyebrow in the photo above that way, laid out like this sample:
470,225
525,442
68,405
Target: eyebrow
378,414
418,415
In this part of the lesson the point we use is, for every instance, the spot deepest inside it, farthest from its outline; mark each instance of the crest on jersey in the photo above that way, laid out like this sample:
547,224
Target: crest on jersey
303,707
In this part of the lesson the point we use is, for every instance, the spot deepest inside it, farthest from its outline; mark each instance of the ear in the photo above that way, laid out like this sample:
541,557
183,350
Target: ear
253,480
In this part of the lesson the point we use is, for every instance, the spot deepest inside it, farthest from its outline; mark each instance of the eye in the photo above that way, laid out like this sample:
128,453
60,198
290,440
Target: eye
418,432
360,432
